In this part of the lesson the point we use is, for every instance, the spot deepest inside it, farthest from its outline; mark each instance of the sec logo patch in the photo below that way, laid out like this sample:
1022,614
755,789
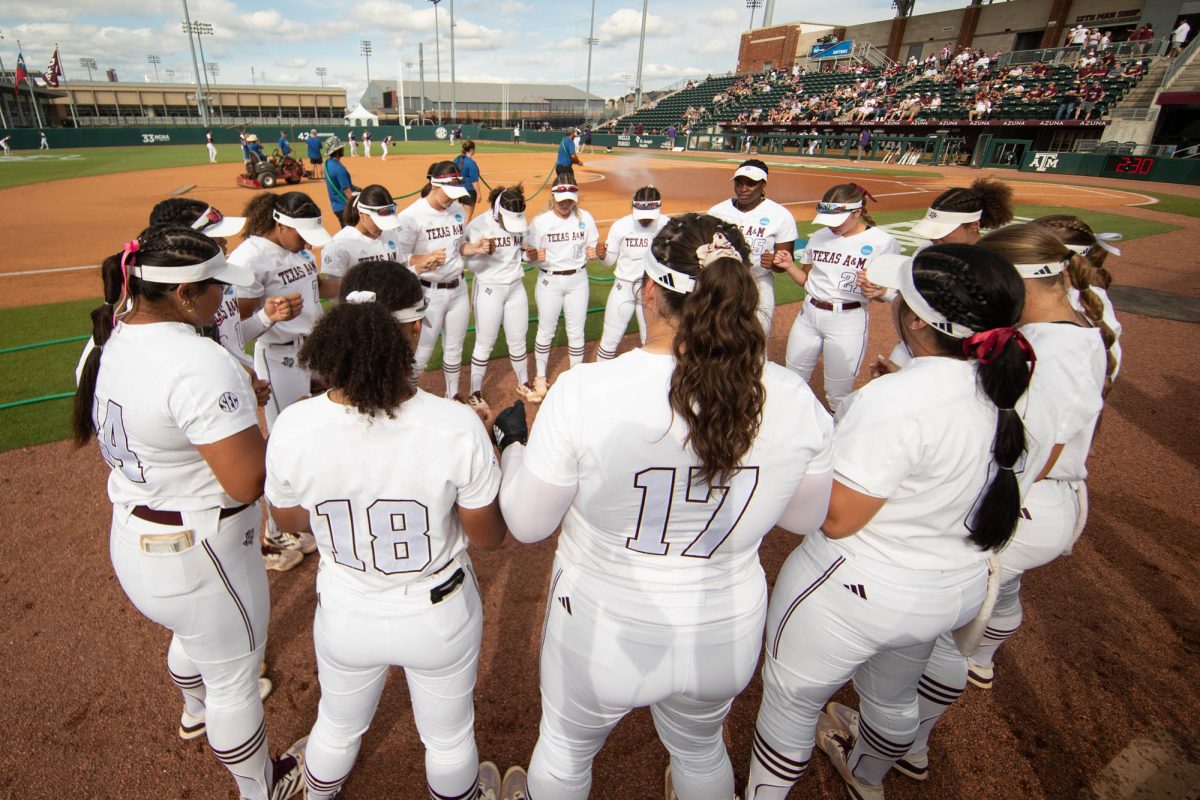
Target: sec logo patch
867,250
229,402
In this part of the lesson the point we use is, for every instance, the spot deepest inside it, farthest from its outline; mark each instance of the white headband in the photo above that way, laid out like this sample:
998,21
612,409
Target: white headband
1102,241
411,314
1044,270
913,299
189,274
666,277
957,217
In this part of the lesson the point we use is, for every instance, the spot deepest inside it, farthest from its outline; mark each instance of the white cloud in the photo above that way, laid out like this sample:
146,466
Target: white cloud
625,24
711,46
292,63
722,18
511,7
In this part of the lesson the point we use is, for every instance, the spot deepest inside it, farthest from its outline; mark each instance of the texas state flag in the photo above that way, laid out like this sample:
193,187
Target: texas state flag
21,75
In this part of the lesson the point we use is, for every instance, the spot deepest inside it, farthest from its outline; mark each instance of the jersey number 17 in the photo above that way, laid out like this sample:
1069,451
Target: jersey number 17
728,502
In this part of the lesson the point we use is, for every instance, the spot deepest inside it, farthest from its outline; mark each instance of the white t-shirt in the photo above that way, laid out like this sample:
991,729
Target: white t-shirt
1180,34
566,240
382,516
628,240
162,390
350,245
504,265
424,229
762,226
1079,35
837,260
608,429
1109,315
1065,393
280,272
922,438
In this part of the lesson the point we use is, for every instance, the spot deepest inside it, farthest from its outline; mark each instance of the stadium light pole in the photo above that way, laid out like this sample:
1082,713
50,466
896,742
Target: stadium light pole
753,6
90,64
214,69
421,68
154,60
591,41
321,73
637,100
201,102
365,49
437,46
202,29
453,80
170,75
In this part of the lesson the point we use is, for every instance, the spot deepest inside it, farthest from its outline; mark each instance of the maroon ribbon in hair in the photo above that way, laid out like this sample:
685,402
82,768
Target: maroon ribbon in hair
988,345
865,193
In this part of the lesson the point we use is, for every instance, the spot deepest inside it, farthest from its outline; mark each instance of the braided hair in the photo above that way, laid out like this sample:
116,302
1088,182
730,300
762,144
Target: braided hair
1074,231
991,196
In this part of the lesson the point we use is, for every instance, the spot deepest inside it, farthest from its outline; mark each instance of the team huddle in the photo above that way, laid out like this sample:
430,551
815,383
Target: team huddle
921,498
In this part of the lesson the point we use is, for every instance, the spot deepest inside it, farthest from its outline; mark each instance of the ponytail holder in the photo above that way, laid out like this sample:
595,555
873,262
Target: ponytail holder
1103,239
355,298
864,192
127,260
720,247
987,346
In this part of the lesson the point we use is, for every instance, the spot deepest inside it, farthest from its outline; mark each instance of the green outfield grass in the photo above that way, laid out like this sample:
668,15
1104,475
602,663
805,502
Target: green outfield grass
1173,204
50,370
32,166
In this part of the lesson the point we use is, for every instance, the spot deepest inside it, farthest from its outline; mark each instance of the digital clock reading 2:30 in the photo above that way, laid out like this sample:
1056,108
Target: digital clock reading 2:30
1129,166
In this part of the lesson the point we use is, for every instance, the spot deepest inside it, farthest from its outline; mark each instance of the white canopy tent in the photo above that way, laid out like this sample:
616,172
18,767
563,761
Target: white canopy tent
361,117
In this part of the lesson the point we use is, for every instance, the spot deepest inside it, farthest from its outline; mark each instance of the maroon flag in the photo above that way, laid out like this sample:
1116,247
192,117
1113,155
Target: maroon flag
54,71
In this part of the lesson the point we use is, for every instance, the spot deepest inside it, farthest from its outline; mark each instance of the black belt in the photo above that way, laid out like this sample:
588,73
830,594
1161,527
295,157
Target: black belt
821,304
440,592
434,285
174,517
562,271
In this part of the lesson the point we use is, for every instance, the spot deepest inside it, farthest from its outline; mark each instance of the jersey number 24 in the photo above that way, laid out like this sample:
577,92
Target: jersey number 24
727,502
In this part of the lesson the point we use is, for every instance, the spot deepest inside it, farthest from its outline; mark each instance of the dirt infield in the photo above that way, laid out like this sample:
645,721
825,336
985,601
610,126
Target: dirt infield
1103,665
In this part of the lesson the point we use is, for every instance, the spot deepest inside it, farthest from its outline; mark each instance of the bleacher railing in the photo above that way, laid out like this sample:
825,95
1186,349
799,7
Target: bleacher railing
216,121
1068,55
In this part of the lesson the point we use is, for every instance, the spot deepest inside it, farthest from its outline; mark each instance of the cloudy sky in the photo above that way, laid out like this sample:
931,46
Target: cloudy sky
519,40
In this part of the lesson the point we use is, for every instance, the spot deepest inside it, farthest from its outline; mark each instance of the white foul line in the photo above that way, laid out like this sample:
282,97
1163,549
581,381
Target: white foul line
46,271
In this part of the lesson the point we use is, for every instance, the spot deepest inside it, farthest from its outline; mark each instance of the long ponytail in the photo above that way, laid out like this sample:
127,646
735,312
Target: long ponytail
719,347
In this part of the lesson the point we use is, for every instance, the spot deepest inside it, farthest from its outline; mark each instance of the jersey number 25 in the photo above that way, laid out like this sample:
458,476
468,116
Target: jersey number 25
727,503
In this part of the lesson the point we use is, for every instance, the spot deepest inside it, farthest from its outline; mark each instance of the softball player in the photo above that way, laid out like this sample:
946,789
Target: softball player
500,295
372,223
366,141
387,143
834,317
925,485
627,241
642,613
176,420
561,241
431,241
353,142
1073,372
769,229
212,148
395,585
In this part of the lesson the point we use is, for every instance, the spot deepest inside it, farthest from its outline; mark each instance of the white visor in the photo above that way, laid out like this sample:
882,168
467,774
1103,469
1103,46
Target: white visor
756,174
410,314
894,271
452,185
216,268
827,216
666,277
309,228
565,191
215,226
940,224
511,221
385,222
647,209
1040,270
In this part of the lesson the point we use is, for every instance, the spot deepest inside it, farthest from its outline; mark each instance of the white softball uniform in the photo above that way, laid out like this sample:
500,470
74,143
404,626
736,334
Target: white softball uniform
839,329
763,226
350,245
1064,404
277,272
212,148
657,597
234,333
162,391
424,229
366,143
500,298
628,239
1109,316
395,585
562,286
871,605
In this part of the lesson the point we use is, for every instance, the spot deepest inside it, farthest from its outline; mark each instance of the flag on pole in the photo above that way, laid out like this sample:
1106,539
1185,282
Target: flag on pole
54,71
21,75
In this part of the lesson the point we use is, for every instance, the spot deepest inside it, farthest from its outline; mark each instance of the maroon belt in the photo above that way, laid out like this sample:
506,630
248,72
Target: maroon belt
432,285
821,304
174,517
562,271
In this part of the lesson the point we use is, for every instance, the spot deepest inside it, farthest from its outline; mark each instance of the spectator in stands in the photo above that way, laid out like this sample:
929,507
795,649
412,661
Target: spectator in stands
1091,97
936,103
1077,37
1105,42
1179,37
641,129
981,109
1038,70
1034,94
671,136
1070,99
864,144
1051,91
1133,69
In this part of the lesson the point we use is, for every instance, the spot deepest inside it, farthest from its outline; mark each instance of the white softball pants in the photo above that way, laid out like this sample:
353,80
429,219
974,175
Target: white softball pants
842,335
496,304
554,295
367,147
358,638
596,668
835,616
448,314
212,153
623,303
279,365
353,149
766,299
214,599
1044,531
